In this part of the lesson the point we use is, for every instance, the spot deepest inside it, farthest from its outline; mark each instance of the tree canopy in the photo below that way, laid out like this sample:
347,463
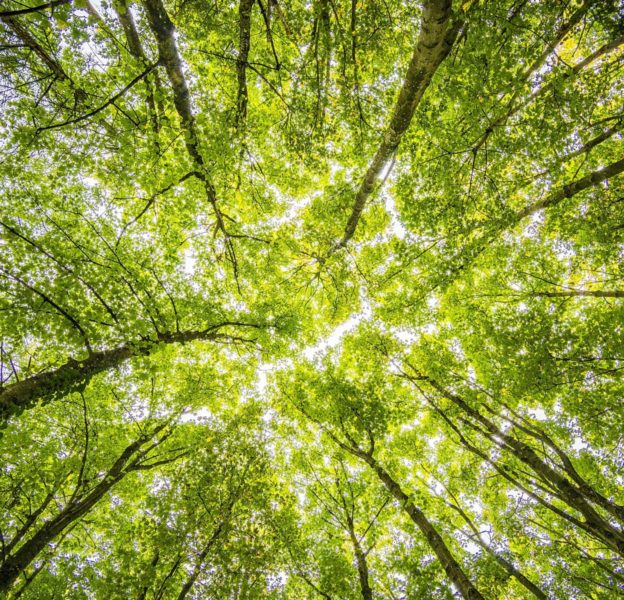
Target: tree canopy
311,299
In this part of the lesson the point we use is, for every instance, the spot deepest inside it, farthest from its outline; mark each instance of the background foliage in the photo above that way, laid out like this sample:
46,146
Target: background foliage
311,299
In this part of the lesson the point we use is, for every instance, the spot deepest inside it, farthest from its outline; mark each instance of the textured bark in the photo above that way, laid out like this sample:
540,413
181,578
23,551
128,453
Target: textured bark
362,565
586,293
15,564
32,9
163,30
30,42
451,567
74,374
135,47
567,466
571,189
435,39
470,253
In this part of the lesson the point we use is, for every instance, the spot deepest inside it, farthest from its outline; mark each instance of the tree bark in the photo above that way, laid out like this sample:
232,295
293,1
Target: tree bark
571,189
30,42
362,565
452,568
122,10
582,293
469,254
501,560
74,374
435,40
244,25
163,30
15,564
568,492
32,9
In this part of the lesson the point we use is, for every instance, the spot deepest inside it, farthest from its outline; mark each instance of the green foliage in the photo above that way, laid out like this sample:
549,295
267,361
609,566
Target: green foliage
205,393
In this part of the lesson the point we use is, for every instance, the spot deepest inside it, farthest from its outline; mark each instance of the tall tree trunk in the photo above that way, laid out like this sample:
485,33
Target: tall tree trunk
435,40
74,374
362,565
567,491
501,560
244,26
452,568
15,563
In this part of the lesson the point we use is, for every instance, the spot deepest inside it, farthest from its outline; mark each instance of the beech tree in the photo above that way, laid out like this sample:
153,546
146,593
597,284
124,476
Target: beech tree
312,299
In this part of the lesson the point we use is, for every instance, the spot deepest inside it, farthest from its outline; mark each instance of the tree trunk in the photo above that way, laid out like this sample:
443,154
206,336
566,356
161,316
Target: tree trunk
435,41
360,559
73,375
452,568
15,564
568,492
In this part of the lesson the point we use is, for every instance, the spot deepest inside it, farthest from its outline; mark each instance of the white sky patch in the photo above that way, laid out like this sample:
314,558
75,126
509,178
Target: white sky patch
385,170
201,415
189,261
433,441
579,444
537,413
531,229
91,182
405,336
433,301
396,226
262,377
430,328
335,337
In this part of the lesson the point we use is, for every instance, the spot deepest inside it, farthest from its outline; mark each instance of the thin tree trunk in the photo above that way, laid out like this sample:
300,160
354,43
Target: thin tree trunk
470,253
163,30
568,492
452,568
122,10
571,189
30,42
362,565
244,25
560,34
32,9
501,560
190,582
586,293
